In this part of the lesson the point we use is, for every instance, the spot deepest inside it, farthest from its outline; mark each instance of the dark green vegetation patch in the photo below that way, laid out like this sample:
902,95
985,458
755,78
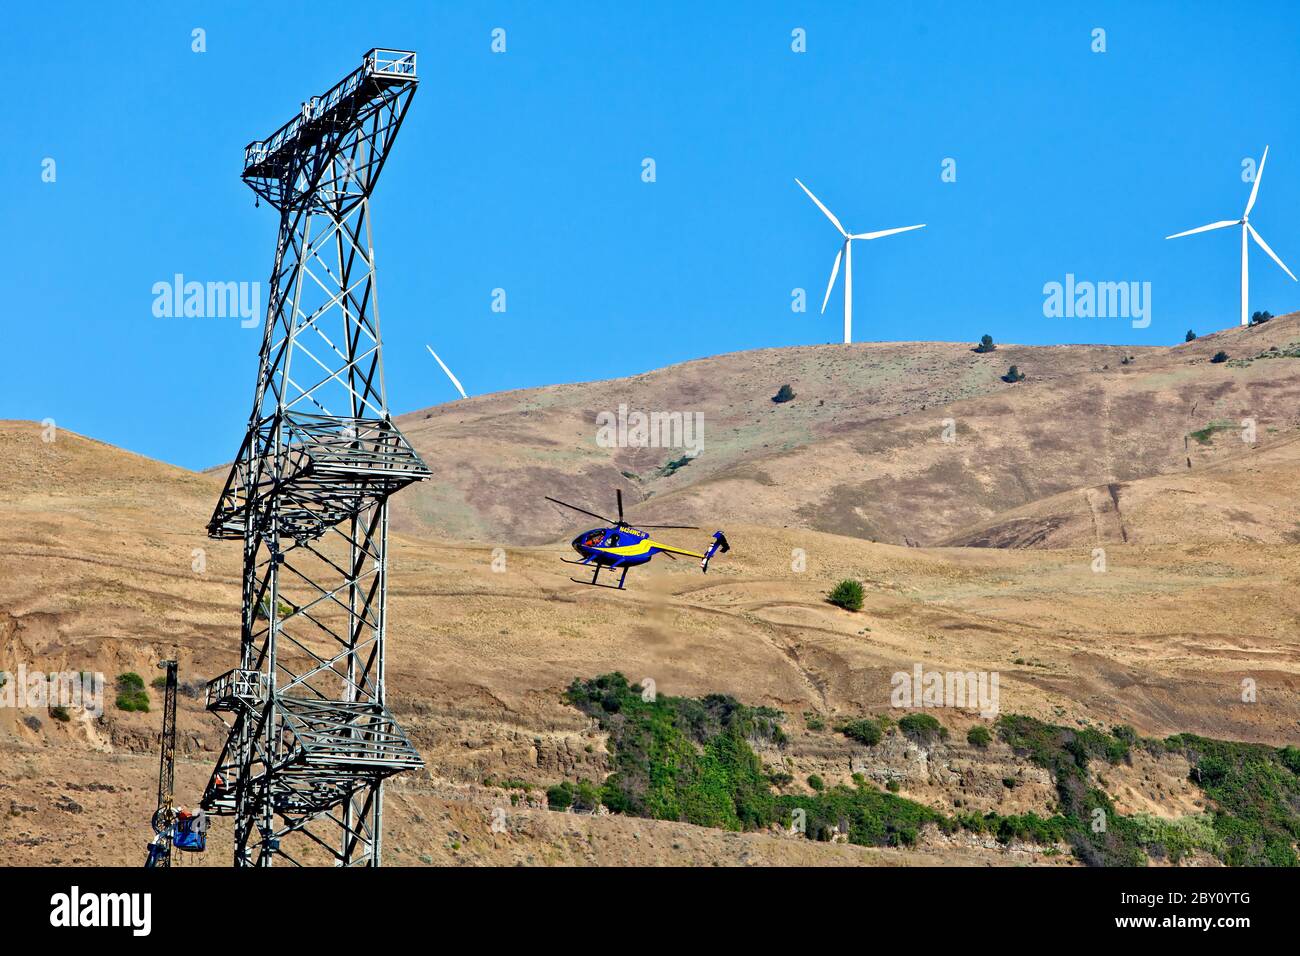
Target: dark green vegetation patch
693,760
131,695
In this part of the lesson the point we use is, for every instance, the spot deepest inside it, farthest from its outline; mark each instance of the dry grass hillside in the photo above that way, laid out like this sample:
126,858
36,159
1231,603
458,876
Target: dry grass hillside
99,571
861,450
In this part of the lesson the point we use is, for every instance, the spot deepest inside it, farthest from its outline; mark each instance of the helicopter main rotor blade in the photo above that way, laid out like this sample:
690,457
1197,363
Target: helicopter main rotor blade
576,508
660,527
619,492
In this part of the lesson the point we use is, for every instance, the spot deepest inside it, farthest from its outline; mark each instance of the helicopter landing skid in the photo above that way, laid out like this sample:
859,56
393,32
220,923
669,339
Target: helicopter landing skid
596,574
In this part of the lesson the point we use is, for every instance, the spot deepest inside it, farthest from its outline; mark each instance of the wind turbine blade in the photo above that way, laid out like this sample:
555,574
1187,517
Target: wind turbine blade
835,270
1214,225
1254,190
829,215
1271,254
887,232
455,381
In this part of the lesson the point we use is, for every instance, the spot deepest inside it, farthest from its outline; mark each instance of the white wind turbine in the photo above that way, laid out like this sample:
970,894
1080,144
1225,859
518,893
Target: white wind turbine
454,380
846,253
1246,228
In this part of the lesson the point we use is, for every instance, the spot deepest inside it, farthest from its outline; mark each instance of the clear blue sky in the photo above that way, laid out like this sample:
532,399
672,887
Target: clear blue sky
523,171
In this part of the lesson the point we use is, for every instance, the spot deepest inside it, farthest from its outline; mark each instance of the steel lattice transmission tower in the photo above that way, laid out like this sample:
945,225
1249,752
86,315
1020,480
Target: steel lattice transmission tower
310,738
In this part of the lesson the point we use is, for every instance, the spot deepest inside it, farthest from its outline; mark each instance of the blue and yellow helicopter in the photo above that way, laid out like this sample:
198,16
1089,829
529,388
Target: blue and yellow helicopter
621,546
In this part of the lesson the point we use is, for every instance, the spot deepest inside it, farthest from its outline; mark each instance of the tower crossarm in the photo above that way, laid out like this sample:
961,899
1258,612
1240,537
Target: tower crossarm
332,150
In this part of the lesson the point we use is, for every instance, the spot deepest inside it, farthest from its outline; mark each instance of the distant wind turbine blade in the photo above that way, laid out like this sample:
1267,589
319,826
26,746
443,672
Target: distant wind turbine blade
1271,254
454,380
1254,190
1214,225
887,232
835,271
829,215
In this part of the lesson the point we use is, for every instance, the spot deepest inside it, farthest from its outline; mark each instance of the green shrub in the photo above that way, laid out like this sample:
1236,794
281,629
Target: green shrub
263,608
921,728
865,731
816,782
784,394
1257,797
680,758
986,344
673,466
1013,375
159,682
979,736
847,594
131,693
133,700
871,817
893,786
1219,358
1290,757
60,713
560,796
1191,336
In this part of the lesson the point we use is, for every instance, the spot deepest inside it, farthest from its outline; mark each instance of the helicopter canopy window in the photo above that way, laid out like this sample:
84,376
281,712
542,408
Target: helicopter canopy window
611,540
593,540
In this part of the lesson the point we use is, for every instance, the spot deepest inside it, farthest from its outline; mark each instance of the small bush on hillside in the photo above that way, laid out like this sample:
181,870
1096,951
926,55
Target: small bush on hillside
1191,336
677,463
1219,358
784,394
1013,375
133,700
560,796
263,608
921,728
1259,318
847,594
131,694
60,714
986,344
866,731
583,796
979,736
816,783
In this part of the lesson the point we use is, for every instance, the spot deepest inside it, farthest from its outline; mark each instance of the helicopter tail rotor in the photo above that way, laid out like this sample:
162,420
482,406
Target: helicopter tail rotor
719,543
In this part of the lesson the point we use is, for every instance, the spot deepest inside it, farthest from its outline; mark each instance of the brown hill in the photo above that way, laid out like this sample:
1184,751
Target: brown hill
908,443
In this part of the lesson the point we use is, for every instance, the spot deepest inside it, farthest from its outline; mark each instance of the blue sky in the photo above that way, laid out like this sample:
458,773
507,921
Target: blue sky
522,171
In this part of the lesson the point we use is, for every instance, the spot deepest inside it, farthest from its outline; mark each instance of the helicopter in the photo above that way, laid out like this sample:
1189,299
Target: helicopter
620,546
